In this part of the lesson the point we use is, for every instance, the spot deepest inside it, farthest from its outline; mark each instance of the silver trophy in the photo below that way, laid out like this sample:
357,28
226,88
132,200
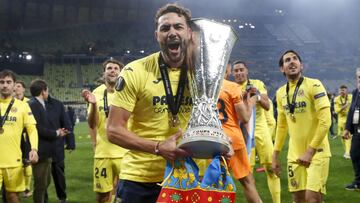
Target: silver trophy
204,137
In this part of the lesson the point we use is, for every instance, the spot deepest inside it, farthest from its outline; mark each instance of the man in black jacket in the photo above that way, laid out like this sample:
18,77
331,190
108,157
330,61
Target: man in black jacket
60,119
353,128
48,134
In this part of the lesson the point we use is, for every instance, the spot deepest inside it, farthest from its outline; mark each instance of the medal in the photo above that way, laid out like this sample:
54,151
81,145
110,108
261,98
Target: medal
173,101
174,121
1,130
293,117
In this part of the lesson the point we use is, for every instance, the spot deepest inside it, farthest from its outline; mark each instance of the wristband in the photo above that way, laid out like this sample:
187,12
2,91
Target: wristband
258,98
157,150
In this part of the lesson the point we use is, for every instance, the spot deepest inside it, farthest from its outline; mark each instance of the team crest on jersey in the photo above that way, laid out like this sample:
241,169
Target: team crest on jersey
14,110
301,93
294,183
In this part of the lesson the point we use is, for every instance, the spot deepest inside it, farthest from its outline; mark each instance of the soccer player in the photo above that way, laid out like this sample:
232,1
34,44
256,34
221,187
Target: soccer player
304,114
233,109
15,116
342,105
141,117
108,156
19,93
263,140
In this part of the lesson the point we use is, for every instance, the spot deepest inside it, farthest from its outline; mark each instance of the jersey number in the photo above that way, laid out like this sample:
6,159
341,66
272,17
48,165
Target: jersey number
222,113
102,173
290,171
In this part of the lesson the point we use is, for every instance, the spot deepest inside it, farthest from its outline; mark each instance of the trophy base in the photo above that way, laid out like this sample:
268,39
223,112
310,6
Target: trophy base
204,148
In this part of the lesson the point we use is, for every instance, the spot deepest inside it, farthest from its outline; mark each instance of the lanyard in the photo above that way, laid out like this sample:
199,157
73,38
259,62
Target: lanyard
341,102
173,104
106,107
3,118
293,102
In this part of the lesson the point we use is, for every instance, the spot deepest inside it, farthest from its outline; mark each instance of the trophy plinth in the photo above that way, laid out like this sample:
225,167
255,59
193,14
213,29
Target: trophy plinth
204,137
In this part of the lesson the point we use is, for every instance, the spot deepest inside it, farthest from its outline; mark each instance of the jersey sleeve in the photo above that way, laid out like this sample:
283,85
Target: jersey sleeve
281,128
319,95
128,87
261,87
30,125
322,108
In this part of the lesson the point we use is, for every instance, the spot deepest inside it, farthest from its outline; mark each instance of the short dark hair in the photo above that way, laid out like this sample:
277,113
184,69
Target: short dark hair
239,62
8,73
343,87
37,86
112,60
21,83
281,60
173,8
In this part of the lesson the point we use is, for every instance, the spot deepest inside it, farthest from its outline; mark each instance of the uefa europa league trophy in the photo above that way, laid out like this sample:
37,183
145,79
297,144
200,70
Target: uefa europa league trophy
204,137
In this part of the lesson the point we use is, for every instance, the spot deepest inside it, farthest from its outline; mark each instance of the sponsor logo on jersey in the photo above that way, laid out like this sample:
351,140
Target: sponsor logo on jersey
301,104
317,96
162,100
129,68
9,118
160,104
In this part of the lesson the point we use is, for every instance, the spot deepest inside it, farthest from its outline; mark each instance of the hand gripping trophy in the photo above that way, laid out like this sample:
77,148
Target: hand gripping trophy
204,137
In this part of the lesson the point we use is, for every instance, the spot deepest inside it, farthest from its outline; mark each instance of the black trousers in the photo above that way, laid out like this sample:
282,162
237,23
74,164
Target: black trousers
58,174
41,173
355,156
136,192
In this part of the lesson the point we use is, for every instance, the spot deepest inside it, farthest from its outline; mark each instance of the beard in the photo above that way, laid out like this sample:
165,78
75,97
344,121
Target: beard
171,57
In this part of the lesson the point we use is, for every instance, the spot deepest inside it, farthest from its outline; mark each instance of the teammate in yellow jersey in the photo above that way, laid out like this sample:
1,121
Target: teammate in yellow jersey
19,93
263,140
108,156
342,106
15,116
141,117
232,109
304,114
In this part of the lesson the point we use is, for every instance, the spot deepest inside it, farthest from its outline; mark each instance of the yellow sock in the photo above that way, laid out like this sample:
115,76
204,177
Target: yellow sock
274,185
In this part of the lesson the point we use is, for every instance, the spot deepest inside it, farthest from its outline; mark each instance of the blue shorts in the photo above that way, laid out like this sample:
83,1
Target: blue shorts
137,192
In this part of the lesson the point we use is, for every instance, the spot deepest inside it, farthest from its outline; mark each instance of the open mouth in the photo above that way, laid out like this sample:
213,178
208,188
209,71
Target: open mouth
174,47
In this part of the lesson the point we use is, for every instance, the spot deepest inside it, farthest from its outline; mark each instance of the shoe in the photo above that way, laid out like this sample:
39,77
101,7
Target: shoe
261,169
333,136
63,201
346,156
27,193
352,187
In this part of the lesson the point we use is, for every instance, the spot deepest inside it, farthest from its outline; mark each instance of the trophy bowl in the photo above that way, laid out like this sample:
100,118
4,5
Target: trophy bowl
213,41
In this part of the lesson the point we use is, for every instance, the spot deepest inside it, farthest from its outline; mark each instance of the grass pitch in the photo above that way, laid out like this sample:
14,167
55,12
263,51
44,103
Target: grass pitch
79,165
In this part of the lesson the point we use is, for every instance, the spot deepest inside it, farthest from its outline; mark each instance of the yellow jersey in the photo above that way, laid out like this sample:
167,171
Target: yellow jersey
339,101
104,148
310,99
144,96
261,127
19,117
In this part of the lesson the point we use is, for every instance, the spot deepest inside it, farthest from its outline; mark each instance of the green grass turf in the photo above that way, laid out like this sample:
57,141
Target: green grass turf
79,175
